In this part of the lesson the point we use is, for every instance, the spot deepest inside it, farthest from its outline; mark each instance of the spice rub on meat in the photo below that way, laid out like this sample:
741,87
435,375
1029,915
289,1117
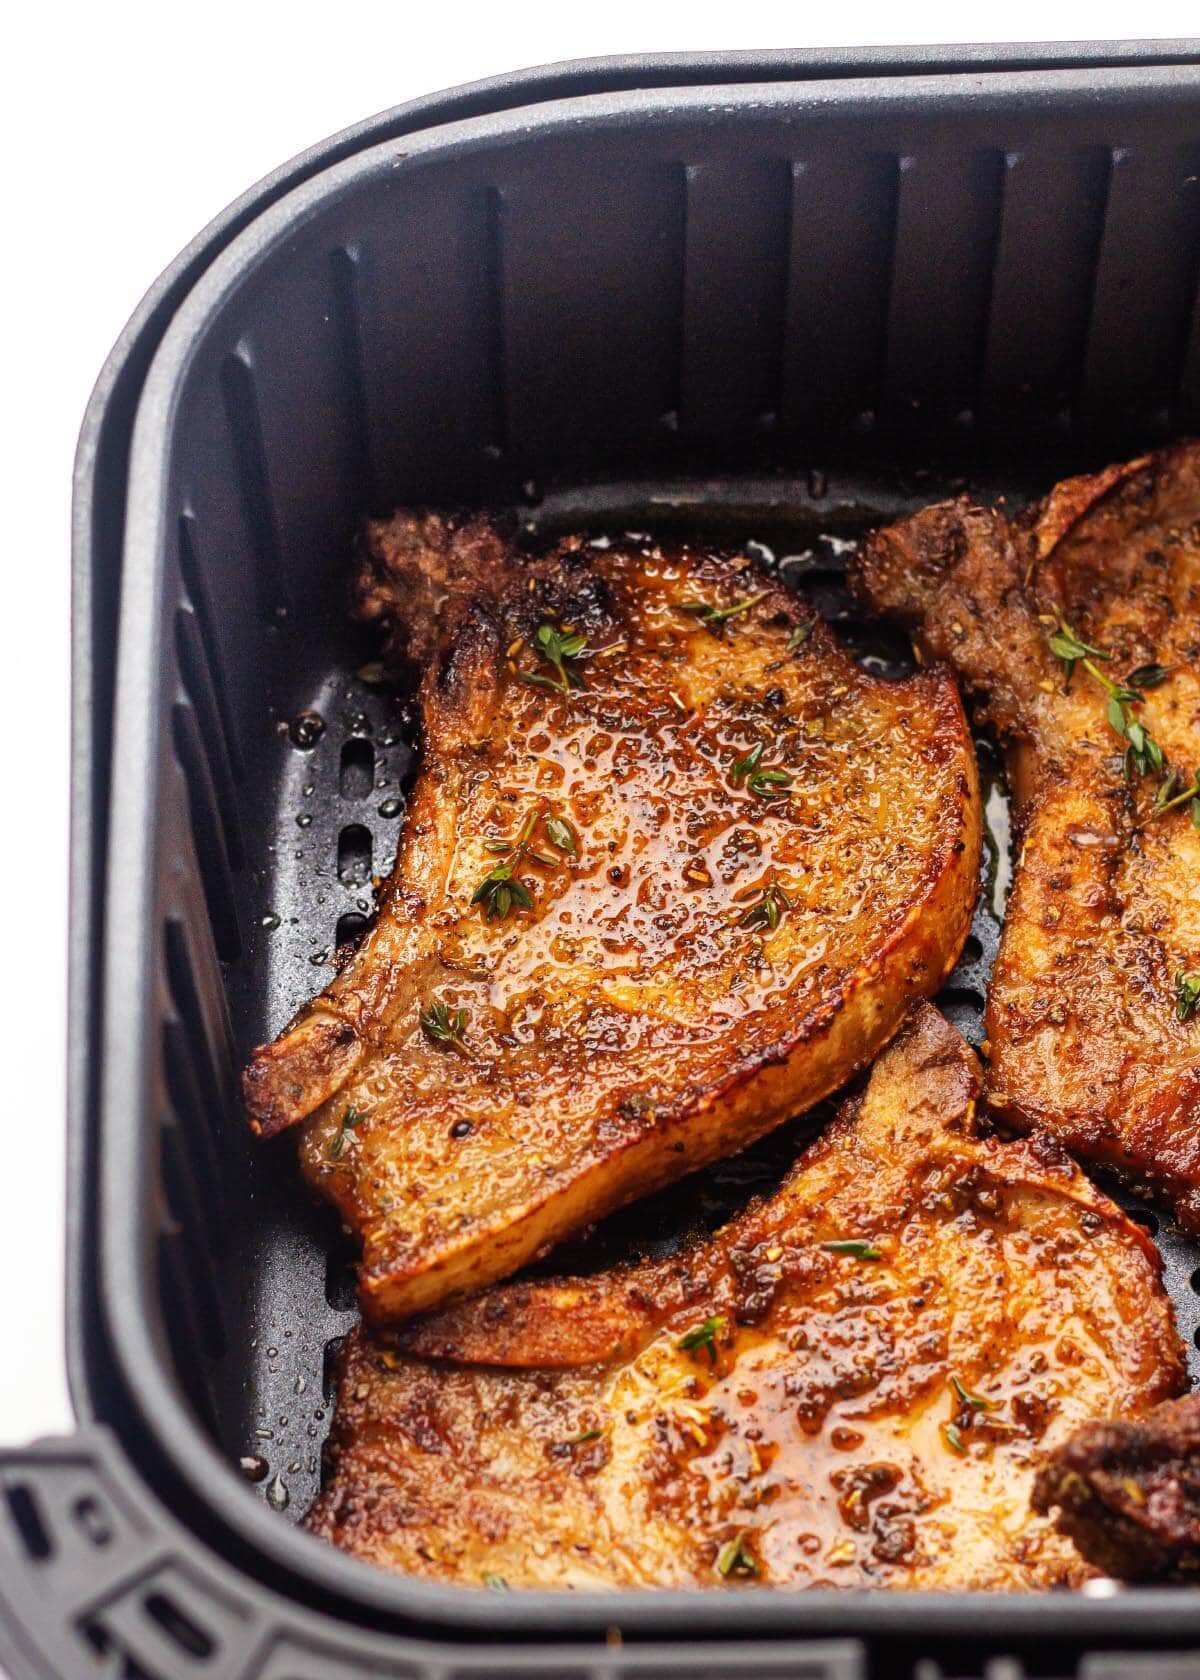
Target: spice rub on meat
1076,625
1128,1493
674,868
850,1384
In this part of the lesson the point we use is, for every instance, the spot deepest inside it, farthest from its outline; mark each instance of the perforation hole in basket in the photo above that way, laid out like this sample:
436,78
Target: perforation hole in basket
350,927
178,1626
26,1512
117,1664
356,774
354,855
92,1520
329,1359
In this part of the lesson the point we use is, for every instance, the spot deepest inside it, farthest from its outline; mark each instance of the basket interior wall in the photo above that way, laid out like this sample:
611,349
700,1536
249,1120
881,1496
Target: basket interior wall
781,321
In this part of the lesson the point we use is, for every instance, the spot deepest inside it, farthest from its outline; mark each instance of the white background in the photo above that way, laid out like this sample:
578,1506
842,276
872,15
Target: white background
125,128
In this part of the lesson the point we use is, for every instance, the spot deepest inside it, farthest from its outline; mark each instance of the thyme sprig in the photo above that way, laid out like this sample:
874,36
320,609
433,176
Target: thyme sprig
765,784
1187,995
768,908
502,888
1176,790
857,1248
1142,752
445,1026
713,617
974,1402
337,1143
703,1338
736,1558
952,1435
560,649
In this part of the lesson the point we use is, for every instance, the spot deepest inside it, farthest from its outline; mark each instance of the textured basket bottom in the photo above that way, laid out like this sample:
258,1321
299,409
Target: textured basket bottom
337,810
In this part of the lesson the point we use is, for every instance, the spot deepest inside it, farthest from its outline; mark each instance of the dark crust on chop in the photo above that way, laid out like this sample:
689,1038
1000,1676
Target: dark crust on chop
625,1027
1081,1019
1128,1493
556,1433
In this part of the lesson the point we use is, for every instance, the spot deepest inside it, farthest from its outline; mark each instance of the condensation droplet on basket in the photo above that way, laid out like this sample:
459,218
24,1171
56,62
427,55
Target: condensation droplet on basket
277,1493
390,808
304,819
269,922
301,1385
306,729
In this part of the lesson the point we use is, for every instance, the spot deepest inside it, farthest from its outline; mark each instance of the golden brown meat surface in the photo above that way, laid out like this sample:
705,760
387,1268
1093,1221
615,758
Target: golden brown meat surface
1128,1492
674,868
1092,1036
850,1384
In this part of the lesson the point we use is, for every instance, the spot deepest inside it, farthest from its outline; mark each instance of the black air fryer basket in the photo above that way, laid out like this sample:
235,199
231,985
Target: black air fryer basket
776,298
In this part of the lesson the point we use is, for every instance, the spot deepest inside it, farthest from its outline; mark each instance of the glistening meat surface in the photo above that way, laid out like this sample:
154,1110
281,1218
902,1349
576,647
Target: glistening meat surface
850,1384
674,868
1092,1013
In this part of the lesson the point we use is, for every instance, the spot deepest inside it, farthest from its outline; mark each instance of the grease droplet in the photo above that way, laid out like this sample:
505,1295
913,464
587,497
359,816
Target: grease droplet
306,729
390,808
253,1466
269,922
277,1493
304,819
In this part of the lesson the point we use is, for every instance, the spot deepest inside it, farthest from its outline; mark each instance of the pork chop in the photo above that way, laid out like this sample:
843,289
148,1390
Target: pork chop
1128,1492
847,1385
674,868
1077,627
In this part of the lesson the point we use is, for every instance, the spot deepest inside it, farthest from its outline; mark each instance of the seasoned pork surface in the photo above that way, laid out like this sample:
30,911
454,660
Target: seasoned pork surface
674,869
850,1384
1094,1009
1128,1493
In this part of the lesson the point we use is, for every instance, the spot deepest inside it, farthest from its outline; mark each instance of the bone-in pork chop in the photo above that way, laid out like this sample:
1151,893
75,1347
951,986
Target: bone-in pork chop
850,1384
1077,626
674,868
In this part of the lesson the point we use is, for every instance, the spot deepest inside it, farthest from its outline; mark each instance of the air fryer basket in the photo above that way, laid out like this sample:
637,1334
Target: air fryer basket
776,311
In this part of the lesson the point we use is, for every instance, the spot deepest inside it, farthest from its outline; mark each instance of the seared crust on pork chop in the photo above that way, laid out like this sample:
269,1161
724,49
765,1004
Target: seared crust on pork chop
1128,1492
1090,1031
847,1385
674,868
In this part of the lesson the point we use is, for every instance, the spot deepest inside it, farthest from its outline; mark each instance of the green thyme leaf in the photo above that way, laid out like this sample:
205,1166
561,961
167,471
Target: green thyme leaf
1187,995
768,909
976,1402
799,636
582,1440
445,1026
562,835
1148,676
703,1339
337,1143
1173,791
736,1558
494,1583
952,1435
743,766
558,650
858,1248
770,784
714,617
1067,646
